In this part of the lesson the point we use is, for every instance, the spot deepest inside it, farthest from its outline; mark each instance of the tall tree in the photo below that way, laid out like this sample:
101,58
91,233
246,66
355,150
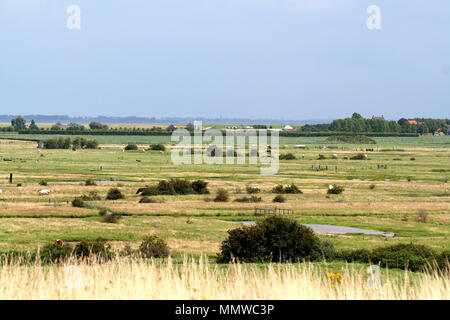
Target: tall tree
19,123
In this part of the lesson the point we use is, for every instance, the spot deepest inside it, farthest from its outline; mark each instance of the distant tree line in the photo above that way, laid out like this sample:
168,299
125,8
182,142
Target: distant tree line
67,143
358,124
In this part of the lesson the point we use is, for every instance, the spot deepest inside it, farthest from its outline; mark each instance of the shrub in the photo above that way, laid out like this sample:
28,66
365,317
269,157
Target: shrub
154,247
372,186
412,159
111,218
335,189
92,196
221,195
43,183
99,248
55,252
321,157
287,156
423,217
150,191
90,182
278,189
276,238
359,156
165,187
200,187
292,189
102,212
252,189
279,198
114,194
158,146
181,186
131,147
251,199
78,203
328,250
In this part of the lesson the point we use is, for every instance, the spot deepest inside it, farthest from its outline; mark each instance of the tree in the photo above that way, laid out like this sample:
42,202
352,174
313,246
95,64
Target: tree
356,116
75,127
97,126
33,126
19,123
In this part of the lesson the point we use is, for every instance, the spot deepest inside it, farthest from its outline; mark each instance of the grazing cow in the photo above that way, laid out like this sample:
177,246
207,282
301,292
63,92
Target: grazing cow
1,192
143,150
160,151
60,242
330,187
44,192
140,190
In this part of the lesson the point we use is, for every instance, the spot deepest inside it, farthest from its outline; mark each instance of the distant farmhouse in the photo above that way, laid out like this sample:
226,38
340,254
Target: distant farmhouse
377,118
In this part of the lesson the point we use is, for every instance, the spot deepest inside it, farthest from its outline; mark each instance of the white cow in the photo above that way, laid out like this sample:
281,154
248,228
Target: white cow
44,192
1,191
330,187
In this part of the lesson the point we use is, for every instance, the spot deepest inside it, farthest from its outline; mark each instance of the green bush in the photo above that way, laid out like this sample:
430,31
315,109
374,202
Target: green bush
221,196
287,156
200,187
78,203
42,183
99,248
158,146
150,191
111,218
102,212
292,189
278,189
55,253
252,189
114,194
165,188
154,247
131,147
251,199
91,196
147,200
181,186
276,238
279,198
359,156
335,189
90,182
414,257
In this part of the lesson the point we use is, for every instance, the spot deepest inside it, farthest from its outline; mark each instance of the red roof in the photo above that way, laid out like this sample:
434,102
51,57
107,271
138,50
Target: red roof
412,121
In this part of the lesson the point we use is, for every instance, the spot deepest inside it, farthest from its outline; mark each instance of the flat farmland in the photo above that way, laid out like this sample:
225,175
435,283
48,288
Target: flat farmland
409,198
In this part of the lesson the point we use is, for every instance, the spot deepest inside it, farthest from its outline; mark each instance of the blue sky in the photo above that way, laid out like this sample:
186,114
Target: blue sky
284,59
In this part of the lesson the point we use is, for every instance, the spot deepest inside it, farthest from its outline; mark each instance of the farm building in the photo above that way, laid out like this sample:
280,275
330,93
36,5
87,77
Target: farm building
412,121
300,146
377,118
288,128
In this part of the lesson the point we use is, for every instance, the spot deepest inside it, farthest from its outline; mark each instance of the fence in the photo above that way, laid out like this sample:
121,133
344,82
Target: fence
272,211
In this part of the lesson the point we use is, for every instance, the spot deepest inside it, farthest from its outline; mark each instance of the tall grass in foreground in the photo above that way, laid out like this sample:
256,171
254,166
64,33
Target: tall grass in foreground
124,278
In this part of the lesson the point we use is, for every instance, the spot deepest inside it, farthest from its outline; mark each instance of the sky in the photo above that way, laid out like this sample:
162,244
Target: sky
279,59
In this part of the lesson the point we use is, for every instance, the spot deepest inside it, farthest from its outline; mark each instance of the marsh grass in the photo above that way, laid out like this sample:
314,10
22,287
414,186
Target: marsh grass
125,278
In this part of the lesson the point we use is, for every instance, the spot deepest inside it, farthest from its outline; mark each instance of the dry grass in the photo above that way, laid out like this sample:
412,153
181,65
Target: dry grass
137,279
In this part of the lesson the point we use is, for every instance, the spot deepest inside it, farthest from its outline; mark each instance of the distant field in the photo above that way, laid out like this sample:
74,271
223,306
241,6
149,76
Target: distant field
382,142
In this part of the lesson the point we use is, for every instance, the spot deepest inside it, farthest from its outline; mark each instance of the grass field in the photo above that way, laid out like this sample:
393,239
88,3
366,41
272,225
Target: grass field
389,200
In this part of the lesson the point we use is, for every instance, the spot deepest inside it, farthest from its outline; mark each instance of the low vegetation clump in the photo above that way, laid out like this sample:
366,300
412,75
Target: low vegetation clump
335,189
55,252
111,218
221,196
176,186
252,189
154,247
287,156
276,239
254,199
413,257
131,147
279,198
42,183
78,203
359,139
67,143
291,189
91,196
359,156
99,248
114,194
90,182
157,147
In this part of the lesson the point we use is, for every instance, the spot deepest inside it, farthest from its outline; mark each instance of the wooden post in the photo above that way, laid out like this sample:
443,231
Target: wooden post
10,178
